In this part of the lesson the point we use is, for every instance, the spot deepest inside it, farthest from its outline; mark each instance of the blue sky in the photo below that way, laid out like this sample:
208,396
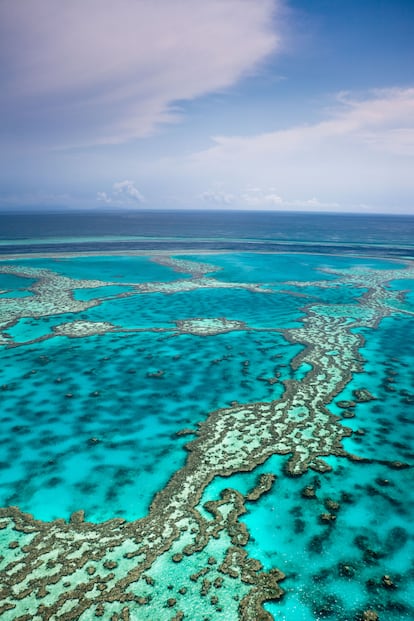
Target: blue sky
225,104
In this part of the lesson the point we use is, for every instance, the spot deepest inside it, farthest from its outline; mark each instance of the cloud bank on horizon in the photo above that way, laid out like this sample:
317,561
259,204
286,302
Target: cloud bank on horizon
123,193
264,104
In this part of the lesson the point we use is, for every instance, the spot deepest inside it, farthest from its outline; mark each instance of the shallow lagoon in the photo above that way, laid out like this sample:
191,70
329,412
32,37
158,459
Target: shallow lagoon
135,417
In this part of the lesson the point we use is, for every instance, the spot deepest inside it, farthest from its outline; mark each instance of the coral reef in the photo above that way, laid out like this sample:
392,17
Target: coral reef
209,326
117,569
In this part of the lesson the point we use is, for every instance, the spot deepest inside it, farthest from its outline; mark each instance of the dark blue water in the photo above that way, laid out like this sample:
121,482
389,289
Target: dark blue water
210,230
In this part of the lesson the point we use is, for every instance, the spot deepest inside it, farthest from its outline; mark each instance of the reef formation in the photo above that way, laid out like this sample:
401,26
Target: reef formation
184,558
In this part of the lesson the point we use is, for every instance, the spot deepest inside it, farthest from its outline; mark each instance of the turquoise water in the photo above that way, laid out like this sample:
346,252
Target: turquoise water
408,287
16,294
10,281
248,267
134,417
12,286
372,533
91,423
334,571
109,268
160,310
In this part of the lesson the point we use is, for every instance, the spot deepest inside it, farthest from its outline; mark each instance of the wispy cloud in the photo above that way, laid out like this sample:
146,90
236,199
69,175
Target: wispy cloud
103,197
265,198
98,71
362,148
128,189
218,197
382,120
124,193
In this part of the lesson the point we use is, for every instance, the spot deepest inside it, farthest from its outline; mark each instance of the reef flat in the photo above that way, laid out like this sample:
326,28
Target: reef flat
189,558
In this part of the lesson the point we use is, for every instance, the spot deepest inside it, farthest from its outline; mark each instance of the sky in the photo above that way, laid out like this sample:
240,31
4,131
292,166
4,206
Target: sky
301,105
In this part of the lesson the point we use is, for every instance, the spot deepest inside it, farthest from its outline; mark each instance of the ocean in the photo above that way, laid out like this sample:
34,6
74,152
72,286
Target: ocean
206,415
209,230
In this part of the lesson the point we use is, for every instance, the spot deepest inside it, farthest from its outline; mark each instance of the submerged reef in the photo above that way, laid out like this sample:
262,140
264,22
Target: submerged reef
187,558
209,326
83,328
53,295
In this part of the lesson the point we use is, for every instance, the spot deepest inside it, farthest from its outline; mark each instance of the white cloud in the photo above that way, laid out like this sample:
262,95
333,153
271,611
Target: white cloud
361,151
383,120
267,198
100,71
103,197
256,197
128,189
124,193
217,196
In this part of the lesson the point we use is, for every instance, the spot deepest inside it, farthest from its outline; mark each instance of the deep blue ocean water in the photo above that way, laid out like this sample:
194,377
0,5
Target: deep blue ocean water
51,467
215,230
